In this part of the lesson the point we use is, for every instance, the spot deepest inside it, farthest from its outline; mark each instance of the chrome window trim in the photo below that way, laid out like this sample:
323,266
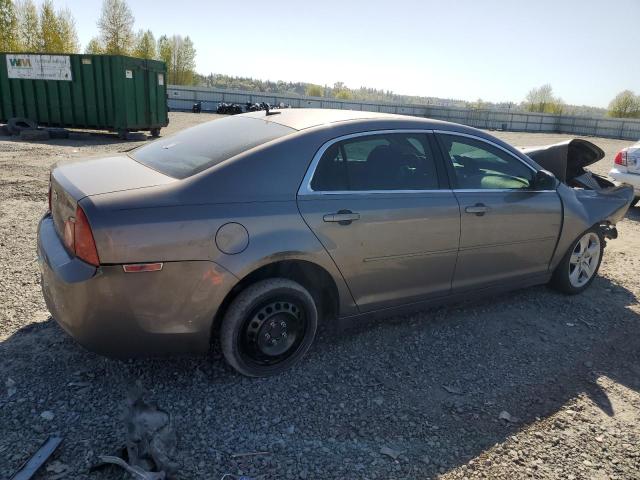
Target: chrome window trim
305,186
493,144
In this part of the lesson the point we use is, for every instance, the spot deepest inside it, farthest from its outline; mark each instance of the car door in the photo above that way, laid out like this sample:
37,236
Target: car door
508,228
376,203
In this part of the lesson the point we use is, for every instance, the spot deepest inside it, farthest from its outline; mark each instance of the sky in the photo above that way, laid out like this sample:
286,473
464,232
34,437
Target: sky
496,50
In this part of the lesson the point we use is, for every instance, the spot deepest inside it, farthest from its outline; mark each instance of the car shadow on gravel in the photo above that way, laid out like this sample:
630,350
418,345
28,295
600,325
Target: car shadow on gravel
430,389
634,214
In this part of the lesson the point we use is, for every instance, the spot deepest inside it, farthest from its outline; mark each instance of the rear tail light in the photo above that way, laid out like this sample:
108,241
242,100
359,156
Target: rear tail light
621,158
78,238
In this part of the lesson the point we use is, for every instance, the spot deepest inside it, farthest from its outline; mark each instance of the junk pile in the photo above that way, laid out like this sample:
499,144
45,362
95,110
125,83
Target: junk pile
151,442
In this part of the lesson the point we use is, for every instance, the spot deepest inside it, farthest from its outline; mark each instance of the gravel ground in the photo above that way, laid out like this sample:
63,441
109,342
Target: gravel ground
531,384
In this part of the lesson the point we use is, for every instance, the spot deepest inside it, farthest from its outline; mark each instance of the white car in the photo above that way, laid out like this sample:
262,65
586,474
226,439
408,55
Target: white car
627,168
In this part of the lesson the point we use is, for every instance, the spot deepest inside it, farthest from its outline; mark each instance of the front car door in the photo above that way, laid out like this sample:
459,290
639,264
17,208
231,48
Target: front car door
375,202
509,229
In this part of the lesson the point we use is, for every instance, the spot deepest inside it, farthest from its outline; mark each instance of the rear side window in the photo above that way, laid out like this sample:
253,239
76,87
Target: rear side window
395,161
198,148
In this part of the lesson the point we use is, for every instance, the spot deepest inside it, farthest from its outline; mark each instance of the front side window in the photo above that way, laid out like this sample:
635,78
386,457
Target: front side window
395,161
478,165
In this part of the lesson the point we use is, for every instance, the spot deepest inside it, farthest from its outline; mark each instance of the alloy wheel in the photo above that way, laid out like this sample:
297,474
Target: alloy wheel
584,259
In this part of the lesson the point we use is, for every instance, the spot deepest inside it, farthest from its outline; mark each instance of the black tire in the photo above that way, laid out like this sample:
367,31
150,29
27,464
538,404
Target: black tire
18,124
123,134
278,307
561,276
155,132
635,201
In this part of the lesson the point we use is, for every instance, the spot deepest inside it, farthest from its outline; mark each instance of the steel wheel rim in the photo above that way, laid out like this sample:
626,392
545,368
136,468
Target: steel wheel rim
584,260
273,332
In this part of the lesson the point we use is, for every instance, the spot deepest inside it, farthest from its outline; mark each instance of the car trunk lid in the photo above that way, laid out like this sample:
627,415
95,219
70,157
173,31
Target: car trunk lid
72,182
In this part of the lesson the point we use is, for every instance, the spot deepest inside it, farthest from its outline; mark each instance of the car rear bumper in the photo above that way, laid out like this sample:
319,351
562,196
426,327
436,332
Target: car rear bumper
632,179
130,314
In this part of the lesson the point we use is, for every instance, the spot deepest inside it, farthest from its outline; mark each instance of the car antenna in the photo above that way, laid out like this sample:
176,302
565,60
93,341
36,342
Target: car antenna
266,107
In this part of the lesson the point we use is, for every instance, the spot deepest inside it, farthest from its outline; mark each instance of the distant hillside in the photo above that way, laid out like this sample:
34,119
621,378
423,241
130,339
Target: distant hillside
341,91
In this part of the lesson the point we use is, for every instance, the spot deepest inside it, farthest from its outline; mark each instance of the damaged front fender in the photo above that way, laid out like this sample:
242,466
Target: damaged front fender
584,209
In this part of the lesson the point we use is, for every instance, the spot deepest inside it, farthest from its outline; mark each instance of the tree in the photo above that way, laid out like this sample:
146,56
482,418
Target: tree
28,26
57,30
94,47
164,51
8,27
179,54
49,29
541,100
625,105
343,94
145,45
116,27
314,90
67,31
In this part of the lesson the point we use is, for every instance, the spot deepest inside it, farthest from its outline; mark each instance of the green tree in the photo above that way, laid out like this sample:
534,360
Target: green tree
343,94
29,36
57,30
116,27
50,29
145,45
67,30
314,90
179,54
94,47
625,105
542,100
8,27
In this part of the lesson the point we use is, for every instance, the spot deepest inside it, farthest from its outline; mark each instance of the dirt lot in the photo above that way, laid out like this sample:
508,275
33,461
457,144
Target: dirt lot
414,397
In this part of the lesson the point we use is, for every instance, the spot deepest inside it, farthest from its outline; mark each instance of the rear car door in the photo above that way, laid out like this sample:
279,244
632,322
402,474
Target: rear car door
508,228
376,202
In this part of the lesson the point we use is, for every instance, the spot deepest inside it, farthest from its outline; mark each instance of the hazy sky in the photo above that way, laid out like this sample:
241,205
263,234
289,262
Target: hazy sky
497,50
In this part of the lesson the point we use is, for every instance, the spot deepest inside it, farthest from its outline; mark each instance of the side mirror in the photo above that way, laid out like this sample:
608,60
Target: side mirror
545,180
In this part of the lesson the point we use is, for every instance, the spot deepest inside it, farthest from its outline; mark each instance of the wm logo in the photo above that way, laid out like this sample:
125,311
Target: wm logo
20,62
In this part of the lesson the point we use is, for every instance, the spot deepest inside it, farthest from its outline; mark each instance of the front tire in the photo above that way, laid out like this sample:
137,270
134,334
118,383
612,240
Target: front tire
581,263
268,327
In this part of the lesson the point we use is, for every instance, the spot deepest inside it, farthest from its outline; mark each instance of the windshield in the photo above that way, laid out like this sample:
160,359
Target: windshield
198,148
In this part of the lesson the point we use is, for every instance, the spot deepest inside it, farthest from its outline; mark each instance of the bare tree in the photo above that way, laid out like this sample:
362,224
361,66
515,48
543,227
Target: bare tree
625,105
116,27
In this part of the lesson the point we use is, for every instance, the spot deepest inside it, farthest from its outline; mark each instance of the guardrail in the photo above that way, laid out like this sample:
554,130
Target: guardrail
182,98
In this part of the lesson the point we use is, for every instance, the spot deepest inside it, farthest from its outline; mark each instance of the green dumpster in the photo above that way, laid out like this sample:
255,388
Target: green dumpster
98,92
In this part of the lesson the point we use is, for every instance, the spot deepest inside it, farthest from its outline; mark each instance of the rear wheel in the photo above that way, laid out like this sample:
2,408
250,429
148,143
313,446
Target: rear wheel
635,201
268,327
580,264
155,132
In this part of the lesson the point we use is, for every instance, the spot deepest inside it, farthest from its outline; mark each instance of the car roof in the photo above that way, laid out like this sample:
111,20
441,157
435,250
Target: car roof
304,118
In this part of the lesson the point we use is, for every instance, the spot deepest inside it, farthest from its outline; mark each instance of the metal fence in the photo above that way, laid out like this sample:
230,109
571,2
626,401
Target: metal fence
182,98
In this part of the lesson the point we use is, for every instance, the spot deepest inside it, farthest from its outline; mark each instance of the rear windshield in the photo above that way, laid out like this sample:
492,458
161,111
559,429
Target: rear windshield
198,148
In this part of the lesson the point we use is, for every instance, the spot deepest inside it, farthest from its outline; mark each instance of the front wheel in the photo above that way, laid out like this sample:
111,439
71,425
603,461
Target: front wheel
578,268
268,327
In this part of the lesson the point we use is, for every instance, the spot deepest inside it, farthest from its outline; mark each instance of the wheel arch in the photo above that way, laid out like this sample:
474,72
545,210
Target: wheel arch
316,279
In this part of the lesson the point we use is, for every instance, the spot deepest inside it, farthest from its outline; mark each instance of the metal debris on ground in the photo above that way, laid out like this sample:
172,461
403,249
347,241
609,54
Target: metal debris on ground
31,466
151,437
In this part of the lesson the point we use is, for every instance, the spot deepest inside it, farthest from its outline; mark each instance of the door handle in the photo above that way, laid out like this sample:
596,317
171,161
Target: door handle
479,209
343,217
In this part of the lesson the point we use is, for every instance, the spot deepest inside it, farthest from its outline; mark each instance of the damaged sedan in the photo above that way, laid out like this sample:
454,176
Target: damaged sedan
252,229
